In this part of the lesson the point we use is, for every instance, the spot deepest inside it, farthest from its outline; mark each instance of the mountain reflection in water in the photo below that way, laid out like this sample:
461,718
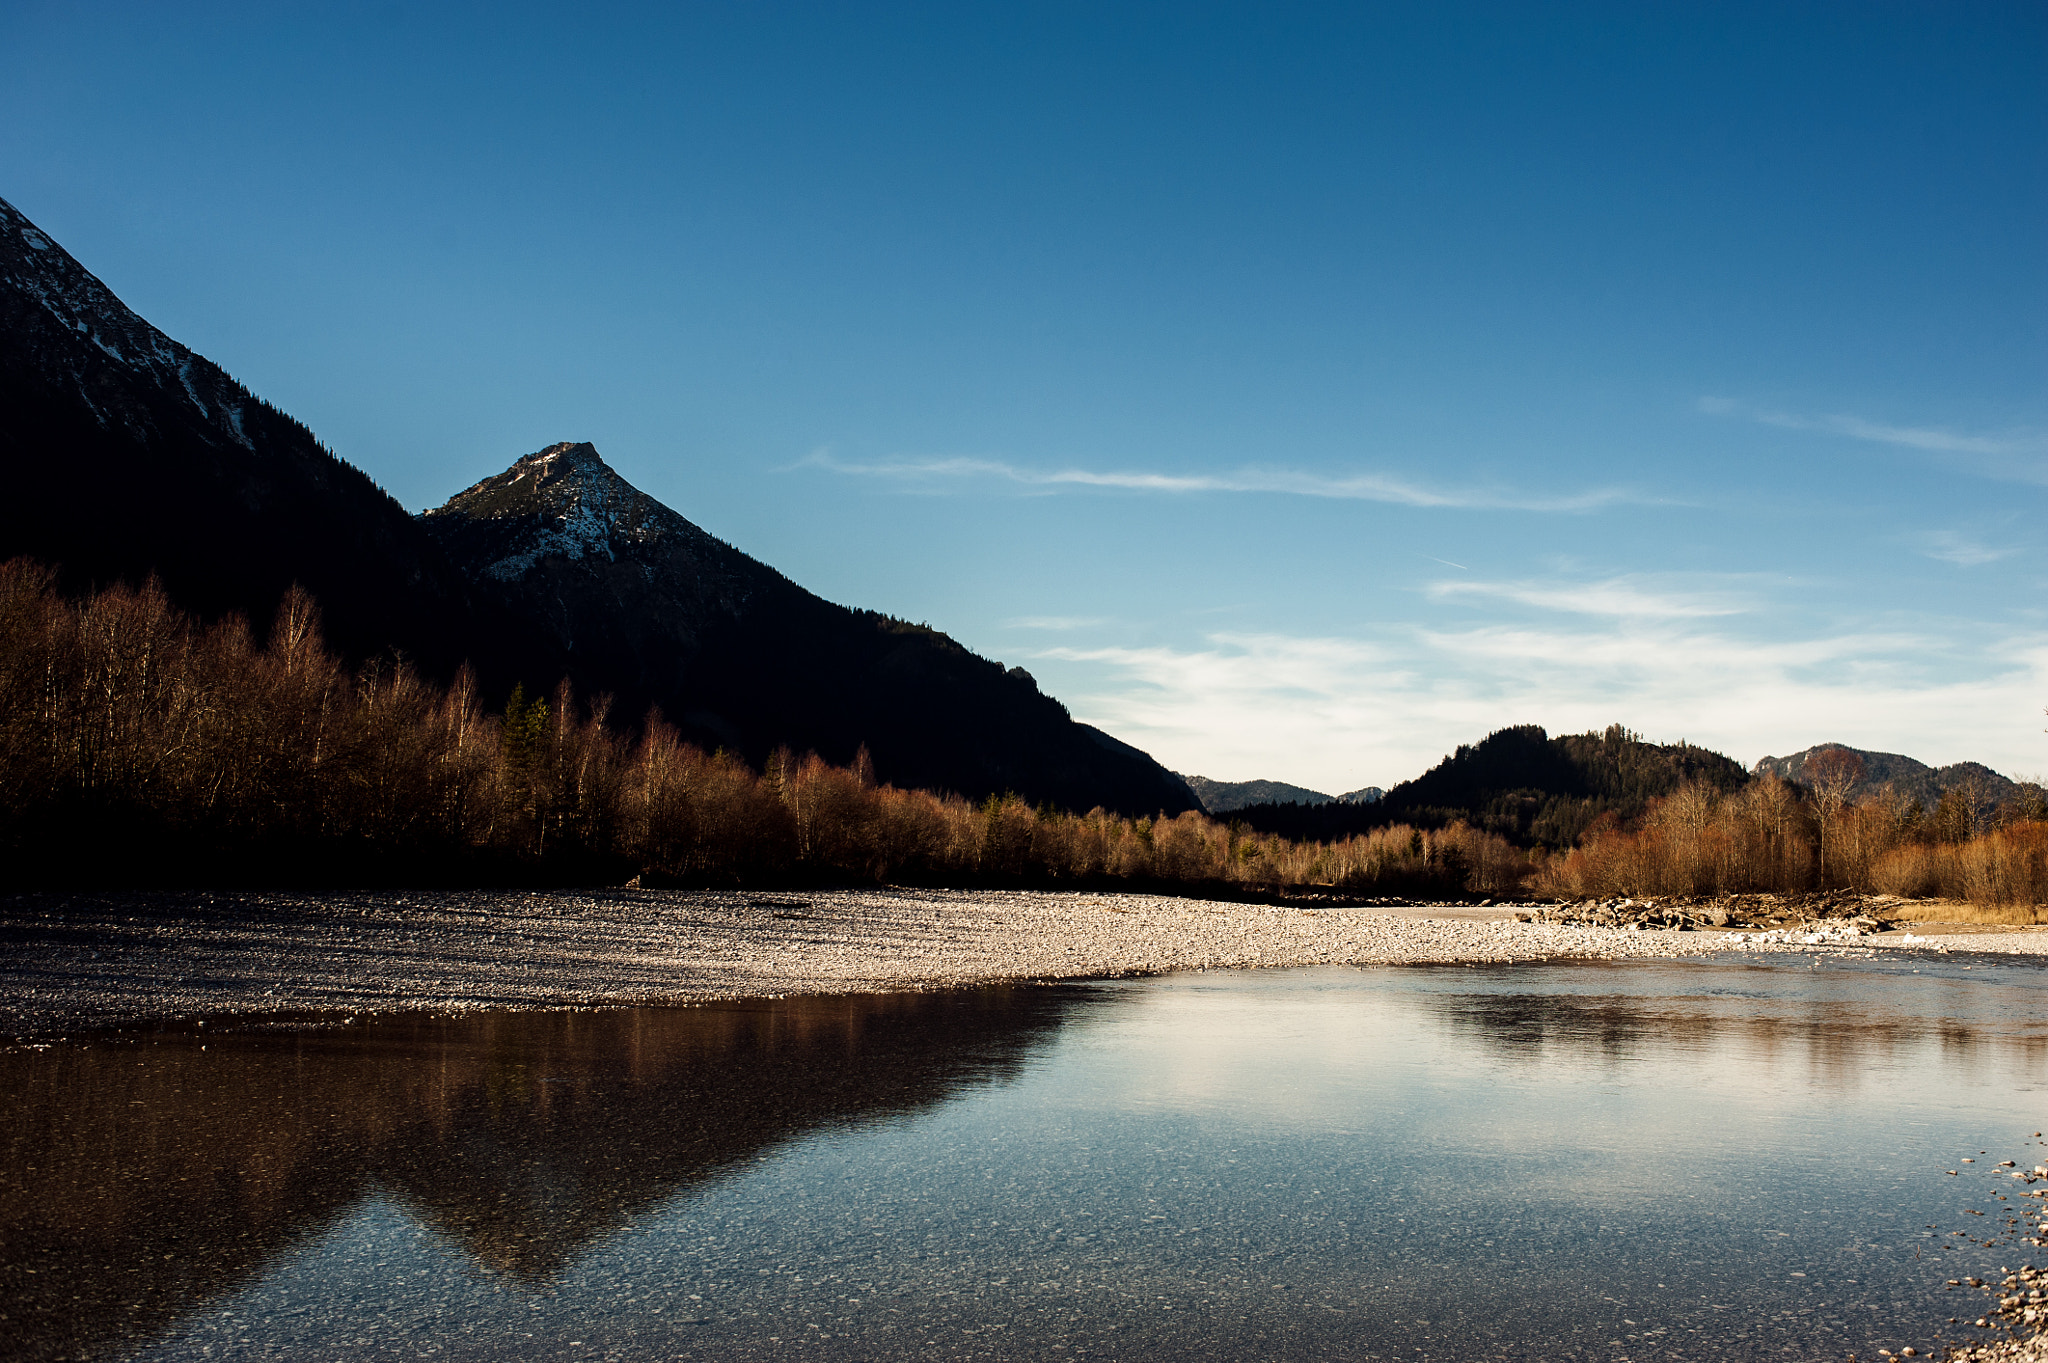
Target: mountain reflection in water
145,1175
1729,1161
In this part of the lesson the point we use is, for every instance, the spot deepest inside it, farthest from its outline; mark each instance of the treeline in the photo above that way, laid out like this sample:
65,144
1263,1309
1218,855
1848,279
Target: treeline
1608,813
138,746
1773,836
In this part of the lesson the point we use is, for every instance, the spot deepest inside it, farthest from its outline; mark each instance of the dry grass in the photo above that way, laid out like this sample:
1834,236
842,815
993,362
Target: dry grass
1954,911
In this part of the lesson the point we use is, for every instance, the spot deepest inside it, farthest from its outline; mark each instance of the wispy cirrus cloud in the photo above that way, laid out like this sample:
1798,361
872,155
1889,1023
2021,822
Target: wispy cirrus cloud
1057,622
2025,446
1616,597
1965,551
1365,487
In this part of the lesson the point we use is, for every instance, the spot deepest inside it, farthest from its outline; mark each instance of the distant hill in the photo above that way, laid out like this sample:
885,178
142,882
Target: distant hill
1913,779
1521,783
1219,797
124,453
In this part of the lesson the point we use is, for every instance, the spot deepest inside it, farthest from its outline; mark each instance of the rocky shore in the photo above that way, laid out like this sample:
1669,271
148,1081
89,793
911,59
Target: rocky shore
2019,1301
2032,1350
2018,1310
72,963
1828,908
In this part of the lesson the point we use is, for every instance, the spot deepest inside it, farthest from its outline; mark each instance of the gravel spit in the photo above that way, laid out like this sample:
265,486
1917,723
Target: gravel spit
72,963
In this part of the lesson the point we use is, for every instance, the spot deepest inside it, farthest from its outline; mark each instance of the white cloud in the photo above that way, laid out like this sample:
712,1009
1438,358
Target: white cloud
1367,487
1338,713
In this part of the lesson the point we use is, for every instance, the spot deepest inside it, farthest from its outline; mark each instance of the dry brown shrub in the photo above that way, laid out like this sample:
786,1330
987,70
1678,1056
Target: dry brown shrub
2006,866
1911,871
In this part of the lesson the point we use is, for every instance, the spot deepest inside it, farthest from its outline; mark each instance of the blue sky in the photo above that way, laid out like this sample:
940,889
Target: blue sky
1296,391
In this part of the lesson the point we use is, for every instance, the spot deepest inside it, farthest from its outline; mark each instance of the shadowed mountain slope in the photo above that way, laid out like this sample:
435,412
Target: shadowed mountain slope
126,454
1521,783
631,598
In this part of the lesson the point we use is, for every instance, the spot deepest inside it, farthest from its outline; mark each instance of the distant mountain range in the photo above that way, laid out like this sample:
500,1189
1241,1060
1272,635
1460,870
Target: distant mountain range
1220,797
1538,790
1912,779
124,454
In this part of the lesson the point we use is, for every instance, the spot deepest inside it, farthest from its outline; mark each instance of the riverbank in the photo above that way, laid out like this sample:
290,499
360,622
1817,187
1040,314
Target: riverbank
71,963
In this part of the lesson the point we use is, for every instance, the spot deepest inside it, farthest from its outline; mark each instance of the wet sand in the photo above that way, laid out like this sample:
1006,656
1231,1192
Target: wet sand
71,963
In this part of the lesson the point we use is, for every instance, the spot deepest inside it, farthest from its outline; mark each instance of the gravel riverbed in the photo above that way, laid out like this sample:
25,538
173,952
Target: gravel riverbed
71,963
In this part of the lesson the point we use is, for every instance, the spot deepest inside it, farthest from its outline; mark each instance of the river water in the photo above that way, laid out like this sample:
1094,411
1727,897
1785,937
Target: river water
1696,1159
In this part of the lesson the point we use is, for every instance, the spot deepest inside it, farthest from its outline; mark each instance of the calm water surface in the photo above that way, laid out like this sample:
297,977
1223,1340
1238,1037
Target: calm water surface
1570,1161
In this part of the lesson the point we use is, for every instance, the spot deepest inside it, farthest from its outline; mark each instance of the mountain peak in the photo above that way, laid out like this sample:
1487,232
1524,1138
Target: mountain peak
559,511
560,502
566,454
570,468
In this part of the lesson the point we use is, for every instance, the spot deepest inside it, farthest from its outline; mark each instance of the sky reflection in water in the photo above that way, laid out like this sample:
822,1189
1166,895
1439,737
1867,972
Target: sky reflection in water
1591,1161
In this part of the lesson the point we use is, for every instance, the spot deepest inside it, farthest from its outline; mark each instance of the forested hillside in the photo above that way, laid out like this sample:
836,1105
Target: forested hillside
1522,784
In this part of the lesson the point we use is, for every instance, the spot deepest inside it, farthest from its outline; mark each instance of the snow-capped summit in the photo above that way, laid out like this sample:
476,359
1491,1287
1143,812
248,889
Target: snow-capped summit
563,500
586,506
564,506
